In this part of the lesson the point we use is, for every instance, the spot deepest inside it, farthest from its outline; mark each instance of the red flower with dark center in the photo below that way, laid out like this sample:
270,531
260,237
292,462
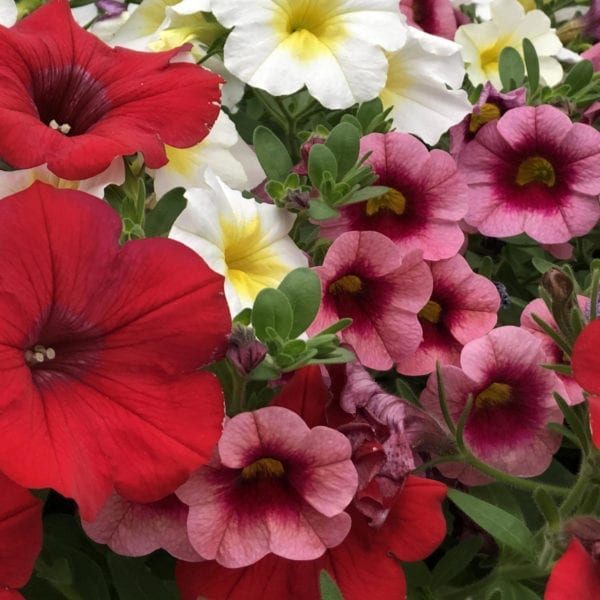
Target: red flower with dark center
20,536
69,100
99,347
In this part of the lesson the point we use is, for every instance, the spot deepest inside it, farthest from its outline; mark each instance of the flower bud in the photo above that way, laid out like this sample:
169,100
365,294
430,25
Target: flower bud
245,351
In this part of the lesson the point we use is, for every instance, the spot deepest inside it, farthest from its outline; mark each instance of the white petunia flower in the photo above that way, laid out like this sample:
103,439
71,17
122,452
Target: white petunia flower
8,13
246,242
418,81
222,150
482,42
12,182
334,47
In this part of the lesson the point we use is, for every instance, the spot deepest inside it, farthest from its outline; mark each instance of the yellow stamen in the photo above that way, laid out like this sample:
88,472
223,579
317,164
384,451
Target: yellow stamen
487,112
392,200
263,468
536,168
348,284
495,394
431,312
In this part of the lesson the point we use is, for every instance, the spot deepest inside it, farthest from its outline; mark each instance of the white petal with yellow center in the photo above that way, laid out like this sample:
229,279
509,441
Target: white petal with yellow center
509,25
223,151
334,47
243,240
419,75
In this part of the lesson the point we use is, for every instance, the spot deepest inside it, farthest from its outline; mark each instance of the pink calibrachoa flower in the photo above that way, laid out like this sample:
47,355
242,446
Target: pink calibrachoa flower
366,277
364,565
433,16
463,306
273,485
426,200
69,100
20,536
512,404
100,355
533,171
135,529
554,355
491,105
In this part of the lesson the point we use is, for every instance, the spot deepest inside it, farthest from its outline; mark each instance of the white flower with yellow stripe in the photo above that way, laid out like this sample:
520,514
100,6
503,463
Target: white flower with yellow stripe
246,242
482,43
334,47
222,150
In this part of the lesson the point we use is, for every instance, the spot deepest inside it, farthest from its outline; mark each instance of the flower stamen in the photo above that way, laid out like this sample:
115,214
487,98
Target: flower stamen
348,284
494,395
64,128
392,200
263,468
535,168
38,354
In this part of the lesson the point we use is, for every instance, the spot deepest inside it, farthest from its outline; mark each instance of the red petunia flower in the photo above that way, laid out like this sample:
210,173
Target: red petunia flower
585,363
99,347
69,100
20,536
575,575
361,565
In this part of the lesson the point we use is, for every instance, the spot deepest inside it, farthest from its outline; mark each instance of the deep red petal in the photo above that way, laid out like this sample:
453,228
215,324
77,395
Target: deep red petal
118,101
585,361
594,408
122,404
271,578
20,534
306,394
416,525
575,575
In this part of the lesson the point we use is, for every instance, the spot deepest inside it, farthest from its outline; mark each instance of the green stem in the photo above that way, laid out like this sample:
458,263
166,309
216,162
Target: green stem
576,492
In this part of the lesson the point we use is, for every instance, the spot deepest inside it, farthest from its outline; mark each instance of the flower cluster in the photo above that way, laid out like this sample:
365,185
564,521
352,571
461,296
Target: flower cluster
294,294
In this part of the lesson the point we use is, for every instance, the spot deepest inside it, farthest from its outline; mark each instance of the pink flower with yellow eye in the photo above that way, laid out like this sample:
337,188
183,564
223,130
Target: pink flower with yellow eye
533,171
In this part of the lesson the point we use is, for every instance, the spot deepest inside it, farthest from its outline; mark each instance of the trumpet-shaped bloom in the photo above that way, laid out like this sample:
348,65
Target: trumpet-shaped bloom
135,529
423,86
427,199
361,565
245,241
222,150
463,306
366,277
533,171
509,25
273,485
83,103
334,47
100,354
512,403
20,536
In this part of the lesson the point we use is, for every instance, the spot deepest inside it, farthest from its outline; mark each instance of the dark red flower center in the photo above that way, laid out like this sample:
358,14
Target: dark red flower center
69,99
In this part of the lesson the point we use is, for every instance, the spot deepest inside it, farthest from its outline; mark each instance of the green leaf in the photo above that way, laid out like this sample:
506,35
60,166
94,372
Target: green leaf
329,590
335,327
321,211
511,68
533,65
303,290
501,525
161,218
321,160
579,76
344,142
271,153
272,309
134,581
366,193
455,561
